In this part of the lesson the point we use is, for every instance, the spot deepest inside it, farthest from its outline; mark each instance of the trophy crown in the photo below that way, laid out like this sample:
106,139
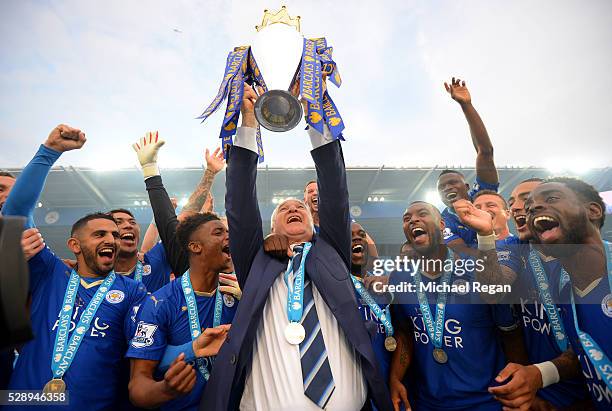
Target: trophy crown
280,16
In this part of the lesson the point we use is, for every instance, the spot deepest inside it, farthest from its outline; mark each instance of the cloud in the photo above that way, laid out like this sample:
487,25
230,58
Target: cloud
537,72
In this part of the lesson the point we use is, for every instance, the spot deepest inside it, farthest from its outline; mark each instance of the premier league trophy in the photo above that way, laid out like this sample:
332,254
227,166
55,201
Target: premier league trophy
294,67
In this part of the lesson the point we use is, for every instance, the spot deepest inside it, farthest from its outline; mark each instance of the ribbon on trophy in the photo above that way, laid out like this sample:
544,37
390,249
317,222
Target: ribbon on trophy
320,108
240,67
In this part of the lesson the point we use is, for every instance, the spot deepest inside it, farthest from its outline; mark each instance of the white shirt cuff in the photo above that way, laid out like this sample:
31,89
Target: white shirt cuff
317,139
246,137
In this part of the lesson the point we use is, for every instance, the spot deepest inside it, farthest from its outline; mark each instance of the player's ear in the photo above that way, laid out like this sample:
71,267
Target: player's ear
74,245
195,247
594,211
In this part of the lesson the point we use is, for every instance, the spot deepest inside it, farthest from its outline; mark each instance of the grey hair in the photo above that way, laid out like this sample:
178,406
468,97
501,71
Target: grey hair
283,202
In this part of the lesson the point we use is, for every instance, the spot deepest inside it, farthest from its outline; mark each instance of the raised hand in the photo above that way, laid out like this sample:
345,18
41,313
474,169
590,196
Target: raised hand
180,377
209,342
479,220
249,97
147,148
230,285
277,245
215,161
32,243
458,91
65,138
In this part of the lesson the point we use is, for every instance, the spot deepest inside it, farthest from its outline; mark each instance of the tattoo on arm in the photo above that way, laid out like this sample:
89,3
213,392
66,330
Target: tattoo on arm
198,197
494,274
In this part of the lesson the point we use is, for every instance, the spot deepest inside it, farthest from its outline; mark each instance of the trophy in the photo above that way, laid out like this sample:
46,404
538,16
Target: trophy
293,66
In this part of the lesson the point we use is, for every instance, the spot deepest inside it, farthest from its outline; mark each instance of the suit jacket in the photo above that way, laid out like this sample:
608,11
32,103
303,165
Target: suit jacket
327,266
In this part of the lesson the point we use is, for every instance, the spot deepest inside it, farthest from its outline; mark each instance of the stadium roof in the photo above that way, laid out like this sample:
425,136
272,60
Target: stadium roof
71,192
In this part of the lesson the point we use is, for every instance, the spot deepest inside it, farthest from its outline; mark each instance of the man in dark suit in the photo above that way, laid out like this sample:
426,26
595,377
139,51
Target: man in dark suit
266,363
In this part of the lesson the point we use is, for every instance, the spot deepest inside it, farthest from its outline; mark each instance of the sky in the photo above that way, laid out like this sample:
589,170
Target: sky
538,72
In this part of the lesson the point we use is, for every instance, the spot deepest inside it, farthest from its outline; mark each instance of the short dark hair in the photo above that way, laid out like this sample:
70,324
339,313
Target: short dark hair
121,210
584,190
532,180
309,183
82,222
490,193
189,225
4,173
449,171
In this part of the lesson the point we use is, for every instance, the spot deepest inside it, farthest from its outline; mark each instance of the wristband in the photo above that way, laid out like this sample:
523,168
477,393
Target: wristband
150,170
486,242
550,374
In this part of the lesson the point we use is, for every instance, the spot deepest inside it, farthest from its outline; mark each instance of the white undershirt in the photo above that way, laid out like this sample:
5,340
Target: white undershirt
274,381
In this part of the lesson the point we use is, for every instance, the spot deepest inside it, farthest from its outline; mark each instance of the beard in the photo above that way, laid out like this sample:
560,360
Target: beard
90,261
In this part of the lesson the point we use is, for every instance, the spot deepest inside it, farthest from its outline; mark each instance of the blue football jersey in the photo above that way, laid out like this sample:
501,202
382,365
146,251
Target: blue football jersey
155,269
470,340
378,340
539,339
594,311
455,229
163,320
93,378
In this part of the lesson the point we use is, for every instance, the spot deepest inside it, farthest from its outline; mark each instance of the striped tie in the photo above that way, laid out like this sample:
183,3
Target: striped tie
316,372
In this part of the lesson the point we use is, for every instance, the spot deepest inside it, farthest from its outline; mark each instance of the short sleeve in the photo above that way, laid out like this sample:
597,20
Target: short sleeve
139,295
504,317
157,256
511,256
151,328
480,185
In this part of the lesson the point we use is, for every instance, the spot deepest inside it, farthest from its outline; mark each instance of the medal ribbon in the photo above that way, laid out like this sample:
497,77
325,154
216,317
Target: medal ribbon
194,318
546,299
139,270
295,290
435,330
383,316
596,355
64,353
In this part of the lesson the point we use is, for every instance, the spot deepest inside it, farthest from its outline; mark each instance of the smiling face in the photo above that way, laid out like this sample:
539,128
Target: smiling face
96,245
293,219
556,215
210,242
452,187
311,196
496,207
129,232
517,208
359,247
423,227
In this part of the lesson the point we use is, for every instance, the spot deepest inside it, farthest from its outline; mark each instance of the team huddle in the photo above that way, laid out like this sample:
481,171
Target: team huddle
209,314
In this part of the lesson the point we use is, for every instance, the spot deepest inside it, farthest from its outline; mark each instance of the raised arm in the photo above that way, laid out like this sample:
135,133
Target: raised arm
163,210
241,206
334,217
485,166
30,183
214,164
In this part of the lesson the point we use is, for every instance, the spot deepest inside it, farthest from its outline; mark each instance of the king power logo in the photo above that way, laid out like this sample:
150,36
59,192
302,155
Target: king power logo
98,328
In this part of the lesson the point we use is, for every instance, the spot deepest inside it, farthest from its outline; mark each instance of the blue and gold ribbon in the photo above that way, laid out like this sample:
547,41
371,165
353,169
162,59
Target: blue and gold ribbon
240,67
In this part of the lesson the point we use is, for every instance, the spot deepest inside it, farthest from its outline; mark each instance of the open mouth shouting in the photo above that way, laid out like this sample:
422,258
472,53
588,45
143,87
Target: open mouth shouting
106,254
547,228
129,238
226,251
294,219
419,235
521,223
